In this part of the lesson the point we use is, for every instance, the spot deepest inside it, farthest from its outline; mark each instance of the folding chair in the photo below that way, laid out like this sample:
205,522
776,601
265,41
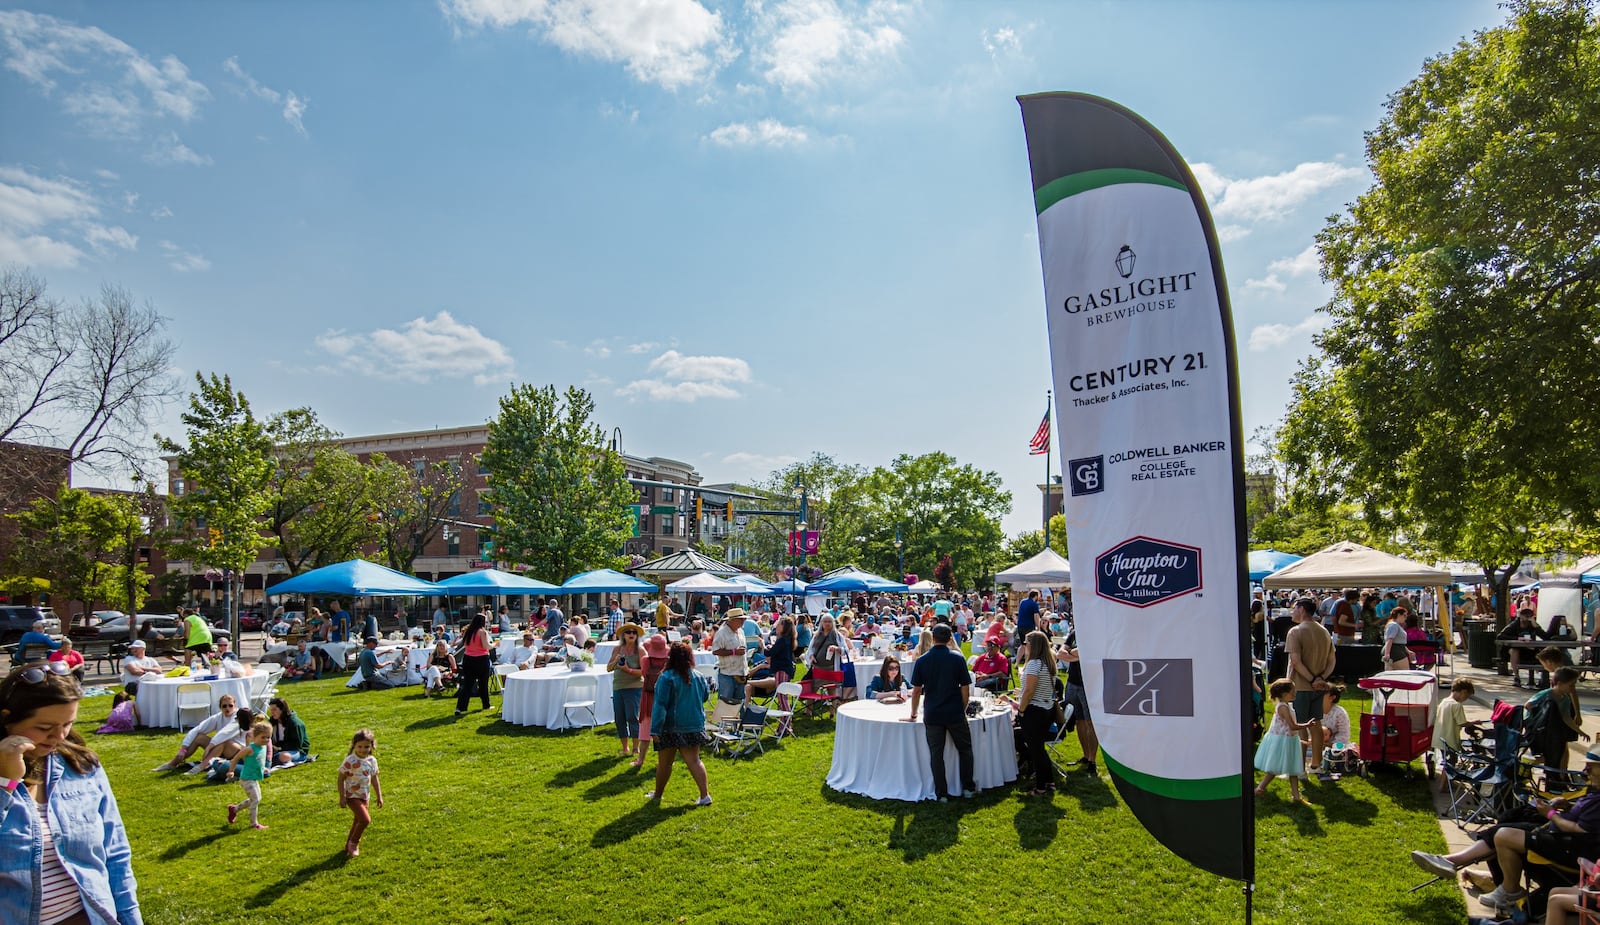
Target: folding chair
784,696
263,687
497,681
581,694
820,691
740,735
194,700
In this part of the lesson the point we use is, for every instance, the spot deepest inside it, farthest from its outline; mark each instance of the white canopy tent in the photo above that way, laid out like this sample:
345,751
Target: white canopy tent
1352,565
1043,571
925,586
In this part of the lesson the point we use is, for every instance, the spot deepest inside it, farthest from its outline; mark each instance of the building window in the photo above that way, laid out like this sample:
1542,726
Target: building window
178,487
666,495
485,506
454,508
419,467
666,550
482,469
452,541
666,524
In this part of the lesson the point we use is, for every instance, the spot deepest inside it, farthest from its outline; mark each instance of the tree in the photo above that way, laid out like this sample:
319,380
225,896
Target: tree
560,496
321,510
832,507
940,507
76,541
226,465
408,505
1030,543
1455,400
82,377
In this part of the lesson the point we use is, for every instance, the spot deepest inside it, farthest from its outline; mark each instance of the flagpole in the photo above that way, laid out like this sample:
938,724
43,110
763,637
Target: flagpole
1049,489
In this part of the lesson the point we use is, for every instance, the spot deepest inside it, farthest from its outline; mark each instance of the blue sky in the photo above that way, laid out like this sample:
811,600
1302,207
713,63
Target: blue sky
752,230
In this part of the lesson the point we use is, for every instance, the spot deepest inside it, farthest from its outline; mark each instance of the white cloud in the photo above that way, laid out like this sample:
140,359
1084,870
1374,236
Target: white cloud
1307,261
1270,284
160,213
623,111
768,133
184,261
1272,336
597,349
1268,198
1002,42
425,348
38,215
108,85
100,237
758,461
802,44
1226,233
170,149
110,176
294,106
689,378
665,42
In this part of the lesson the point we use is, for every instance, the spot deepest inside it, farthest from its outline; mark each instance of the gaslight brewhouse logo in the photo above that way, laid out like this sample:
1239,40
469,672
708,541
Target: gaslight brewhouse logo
1142,571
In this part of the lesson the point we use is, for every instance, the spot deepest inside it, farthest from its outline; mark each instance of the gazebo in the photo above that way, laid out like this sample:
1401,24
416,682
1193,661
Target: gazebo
683,564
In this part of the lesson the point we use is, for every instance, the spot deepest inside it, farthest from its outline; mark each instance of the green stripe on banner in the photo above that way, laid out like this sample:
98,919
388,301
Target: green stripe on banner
1210,788
1071,185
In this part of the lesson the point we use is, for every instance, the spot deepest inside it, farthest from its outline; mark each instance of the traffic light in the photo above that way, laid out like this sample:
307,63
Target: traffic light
729,514
699,508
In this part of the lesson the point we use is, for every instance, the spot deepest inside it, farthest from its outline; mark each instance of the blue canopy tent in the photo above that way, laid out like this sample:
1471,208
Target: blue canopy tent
605,581
494,581
1263,562
854,579
789,586
357,578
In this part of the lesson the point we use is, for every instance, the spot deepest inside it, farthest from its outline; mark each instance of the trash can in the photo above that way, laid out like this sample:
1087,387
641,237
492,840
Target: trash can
1481,647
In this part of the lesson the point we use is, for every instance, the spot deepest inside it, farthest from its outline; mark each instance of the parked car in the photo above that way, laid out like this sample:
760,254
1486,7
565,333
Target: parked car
163,628
16,619
251,621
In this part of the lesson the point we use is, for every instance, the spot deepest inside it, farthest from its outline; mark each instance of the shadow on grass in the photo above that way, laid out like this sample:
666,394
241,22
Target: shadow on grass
1090,790
641,820
179,850
433,722
1305,818
922,828
274,891
1341,806
586,771
629,778
1037,822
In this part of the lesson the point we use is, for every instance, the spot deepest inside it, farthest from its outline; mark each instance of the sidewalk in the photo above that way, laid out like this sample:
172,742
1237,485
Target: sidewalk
1492,686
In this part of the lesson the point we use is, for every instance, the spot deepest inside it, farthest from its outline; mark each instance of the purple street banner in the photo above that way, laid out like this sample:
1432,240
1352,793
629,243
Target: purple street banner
806,544
1143,362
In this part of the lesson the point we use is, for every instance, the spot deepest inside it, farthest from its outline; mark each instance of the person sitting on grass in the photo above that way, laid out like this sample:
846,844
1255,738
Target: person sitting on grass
1573,831
290,744
372,668
124,715
199,738
301,664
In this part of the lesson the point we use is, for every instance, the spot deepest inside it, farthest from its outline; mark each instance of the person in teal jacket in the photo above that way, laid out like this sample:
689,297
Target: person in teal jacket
678,720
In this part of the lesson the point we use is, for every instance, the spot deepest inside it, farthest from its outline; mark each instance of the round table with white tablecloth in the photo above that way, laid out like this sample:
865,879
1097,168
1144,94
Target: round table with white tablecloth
868,668
158,697
533,697
879,755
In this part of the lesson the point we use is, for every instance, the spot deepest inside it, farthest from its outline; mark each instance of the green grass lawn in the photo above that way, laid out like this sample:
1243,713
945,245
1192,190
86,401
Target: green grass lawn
487,822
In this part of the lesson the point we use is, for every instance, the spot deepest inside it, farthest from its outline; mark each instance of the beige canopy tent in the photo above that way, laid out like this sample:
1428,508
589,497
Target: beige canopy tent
1352,565
1045,570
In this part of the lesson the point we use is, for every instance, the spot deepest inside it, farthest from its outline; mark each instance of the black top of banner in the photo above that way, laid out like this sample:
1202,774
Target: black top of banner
1070,133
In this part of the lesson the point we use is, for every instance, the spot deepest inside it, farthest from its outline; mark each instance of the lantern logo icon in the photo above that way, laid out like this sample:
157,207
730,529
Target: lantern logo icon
1125,261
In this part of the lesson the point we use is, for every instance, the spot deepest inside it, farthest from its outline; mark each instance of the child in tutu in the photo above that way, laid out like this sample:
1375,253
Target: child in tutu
1281,754
124,715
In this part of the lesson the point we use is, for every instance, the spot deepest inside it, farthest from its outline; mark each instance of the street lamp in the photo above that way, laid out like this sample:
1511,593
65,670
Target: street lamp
900,553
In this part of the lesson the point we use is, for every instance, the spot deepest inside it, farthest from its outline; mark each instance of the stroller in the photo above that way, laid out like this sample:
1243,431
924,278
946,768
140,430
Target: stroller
1399,729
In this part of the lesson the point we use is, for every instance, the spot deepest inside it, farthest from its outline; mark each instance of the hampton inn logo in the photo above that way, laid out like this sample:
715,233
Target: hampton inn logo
1142,571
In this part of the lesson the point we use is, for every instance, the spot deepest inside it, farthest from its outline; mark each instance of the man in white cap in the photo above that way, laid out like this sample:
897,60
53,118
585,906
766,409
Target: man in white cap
728,645
136,665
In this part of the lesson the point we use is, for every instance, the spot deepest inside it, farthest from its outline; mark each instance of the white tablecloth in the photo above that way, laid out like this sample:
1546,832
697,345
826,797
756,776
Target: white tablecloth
868,668
877,755
158,697
533,697
603,650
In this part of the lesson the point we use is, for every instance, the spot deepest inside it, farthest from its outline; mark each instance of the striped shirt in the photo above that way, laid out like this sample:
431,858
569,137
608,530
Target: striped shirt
1043,685
59,893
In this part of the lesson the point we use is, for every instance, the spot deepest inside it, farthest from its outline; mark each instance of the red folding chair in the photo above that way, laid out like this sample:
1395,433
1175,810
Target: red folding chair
820,691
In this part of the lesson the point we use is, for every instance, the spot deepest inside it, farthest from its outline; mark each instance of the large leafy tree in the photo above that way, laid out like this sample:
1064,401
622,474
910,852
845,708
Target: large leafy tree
321,499
832,493
226,463
560,496
78,542
940,507
408,505
1456,398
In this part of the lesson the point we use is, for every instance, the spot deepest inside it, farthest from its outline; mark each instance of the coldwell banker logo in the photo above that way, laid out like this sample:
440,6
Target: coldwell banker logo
1142,571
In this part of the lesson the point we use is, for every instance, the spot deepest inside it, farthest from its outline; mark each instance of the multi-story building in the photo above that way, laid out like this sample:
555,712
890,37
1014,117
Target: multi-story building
665,508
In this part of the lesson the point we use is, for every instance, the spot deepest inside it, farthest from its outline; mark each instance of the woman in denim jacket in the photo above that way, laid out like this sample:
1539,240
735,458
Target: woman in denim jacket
678,720
64,856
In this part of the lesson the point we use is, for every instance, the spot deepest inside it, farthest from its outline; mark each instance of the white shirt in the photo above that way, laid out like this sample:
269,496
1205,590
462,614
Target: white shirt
439,618
211,725
137,661
521,654
232,668
729,638
1336,727
580,633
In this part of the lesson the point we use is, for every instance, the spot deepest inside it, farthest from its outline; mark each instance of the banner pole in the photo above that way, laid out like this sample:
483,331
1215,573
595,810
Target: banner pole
1049,489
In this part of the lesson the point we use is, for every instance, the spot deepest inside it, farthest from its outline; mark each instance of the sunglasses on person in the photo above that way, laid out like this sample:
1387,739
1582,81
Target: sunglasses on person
35,674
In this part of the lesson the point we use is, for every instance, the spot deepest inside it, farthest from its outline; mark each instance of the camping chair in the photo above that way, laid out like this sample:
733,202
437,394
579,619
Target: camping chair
497,681
581,694
741,735
784,696
194,700
820,691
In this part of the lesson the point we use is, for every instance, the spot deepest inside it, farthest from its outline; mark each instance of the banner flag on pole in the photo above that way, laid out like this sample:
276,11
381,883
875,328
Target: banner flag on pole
1142,356
1040,444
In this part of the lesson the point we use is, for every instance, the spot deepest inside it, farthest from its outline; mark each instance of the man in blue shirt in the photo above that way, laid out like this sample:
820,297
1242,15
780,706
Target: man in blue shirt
340,619
373,676
1027,616
37,638
942,677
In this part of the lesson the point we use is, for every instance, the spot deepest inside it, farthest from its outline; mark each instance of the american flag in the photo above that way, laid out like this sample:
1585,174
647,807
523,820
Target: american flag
1040,444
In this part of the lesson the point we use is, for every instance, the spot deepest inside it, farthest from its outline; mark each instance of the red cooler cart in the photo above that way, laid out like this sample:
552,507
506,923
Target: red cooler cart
1399,728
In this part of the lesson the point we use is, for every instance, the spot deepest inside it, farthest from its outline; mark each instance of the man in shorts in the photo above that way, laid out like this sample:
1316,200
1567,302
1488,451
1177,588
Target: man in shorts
1311,662
198,638
1076,699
